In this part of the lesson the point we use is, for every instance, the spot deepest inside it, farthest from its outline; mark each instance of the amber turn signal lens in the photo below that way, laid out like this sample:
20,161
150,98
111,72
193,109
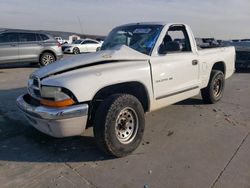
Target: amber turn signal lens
62,103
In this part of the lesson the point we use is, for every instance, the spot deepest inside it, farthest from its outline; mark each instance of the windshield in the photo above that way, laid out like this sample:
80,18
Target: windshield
77,42
141,38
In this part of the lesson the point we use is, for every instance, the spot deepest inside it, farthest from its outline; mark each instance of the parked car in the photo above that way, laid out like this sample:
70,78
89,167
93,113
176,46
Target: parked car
61,41
206,42
242,58
82,45
28,46
139,69
245,40
242,53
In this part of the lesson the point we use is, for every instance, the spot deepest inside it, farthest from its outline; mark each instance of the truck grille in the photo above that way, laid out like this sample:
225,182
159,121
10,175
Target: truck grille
34,87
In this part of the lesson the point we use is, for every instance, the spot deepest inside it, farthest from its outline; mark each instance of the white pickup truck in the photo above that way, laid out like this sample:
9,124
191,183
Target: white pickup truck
140,68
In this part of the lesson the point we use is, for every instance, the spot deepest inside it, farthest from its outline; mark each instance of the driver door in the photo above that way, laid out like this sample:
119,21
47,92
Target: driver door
83,47
176,71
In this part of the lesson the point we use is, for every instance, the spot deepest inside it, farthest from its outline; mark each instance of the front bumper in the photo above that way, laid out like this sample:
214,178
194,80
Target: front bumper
56,122
68,50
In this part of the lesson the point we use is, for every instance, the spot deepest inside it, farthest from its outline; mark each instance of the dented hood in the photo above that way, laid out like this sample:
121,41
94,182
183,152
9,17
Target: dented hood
119,53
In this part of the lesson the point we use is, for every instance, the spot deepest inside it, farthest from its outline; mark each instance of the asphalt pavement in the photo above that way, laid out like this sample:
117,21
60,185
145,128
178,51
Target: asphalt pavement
189,144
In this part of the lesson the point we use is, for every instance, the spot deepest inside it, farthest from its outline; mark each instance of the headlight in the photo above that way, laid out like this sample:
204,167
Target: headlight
55,97
54,93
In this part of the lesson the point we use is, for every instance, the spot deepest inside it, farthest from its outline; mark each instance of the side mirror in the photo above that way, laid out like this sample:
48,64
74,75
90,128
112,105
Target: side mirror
169,47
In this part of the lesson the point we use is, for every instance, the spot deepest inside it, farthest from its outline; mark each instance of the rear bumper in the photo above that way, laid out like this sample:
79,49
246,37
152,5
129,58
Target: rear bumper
56,122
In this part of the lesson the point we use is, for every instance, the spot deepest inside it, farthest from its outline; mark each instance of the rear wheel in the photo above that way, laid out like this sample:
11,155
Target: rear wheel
119,124
214,91
47,58
76,50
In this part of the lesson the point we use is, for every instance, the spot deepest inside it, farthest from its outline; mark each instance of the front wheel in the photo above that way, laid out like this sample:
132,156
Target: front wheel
76,50
214,91
119,124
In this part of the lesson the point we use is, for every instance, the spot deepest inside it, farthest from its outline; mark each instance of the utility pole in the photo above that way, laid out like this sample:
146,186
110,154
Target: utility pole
79,21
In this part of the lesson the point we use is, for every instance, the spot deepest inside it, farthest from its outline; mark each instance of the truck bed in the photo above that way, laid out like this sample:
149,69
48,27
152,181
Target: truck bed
211,55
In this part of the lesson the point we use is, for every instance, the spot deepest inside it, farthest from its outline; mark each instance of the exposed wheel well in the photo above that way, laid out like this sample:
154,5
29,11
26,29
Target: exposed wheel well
219,66
136,89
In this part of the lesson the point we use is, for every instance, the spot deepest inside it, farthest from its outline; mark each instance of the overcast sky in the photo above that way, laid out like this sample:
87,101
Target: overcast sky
208,18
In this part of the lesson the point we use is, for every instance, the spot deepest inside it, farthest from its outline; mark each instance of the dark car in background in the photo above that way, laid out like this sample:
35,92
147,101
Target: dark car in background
242,48
207,42
28,46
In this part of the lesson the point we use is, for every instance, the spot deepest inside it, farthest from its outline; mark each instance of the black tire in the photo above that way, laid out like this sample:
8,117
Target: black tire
98,49
47,58
76,50
214,91
106,126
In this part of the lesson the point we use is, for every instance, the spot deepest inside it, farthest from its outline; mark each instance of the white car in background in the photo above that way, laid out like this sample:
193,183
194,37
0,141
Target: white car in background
82,45
61,41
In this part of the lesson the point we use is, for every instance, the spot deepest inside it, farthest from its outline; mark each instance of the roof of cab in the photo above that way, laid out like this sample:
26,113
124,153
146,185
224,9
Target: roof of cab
152,23
145,23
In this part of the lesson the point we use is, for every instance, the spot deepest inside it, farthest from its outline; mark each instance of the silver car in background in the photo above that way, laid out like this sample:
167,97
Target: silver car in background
28,46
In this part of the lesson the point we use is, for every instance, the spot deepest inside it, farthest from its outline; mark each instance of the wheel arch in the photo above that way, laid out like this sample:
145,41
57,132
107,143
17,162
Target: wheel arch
48,51
220,65
76,47
135,88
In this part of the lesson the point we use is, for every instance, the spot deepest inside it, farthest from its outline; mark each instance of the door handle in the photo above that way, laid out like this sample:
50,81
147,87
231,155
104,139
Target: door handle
195,62
13,45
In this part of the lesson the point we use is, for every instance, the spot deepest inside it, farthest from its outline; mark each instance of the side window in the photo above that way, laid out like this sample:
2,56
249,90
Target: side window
176,40
27,37
43,37
38,38
89,42
8,37
93,42
85,42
